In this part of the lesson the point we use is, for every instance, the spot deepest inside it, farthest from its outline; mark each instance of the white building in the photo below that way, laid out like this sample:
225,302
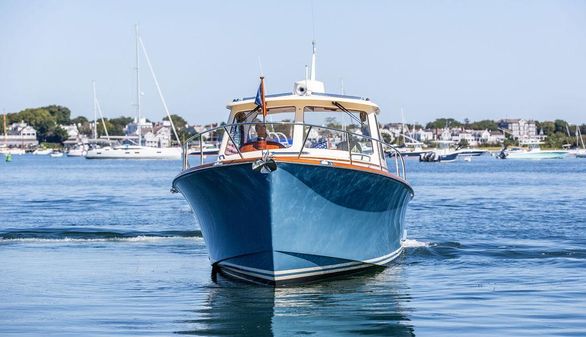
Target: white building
519,128
19,135
159,136
72,131
131,129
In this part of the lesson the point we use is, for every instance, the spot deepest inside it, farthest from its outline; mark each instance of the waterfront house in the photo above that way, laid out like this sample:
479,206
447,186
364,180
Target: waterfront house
519,128
20,135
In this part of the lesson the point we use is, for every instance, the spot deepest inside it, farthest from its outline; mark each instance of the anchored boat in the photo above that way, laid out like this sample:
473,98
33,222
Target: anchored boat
533,152
300,189
135,151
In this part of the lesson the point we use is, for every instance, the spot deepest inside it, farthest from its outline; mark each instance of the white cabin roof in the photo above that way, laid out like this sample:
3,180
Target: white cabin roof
315,99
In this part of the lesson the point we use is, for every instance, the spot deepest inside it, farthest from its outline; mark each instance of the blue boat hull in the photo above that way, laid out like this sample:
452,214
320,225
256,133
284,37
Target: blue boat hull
300,221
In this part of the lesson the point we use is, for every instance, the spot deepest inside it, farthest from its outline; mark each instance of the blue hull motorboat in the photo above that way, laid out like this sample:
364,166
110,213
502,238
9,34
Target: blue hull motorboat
300,221
300,189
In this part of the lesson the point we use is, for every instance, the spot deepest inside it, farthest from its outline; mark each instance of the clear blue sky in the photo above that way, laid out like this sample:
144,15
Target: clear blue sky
461,59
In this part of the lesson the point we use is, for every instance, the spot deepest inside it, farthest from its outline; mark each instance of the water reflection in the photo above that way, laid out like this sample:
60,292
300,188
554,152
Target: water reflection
375,303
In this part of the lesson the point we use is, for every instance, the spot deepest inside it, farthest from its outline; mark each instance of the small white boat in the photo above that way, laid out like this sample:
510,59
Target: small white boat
410,150
42,152
76,152
11,150
207,149
56,154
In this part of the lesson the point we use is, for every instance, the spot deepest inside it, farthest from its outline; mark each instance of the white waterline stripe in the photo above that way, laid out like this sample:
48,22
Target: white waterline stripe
307,274
304,272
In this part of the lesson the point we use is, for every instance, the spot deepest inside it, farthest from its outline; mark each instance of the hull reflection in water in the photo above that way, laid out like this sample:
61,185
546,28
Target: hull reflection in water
362,304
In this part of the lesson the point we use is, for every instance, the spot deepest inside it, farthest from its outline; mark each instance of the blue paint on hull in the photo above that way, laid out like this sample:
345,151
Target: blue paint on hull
298,221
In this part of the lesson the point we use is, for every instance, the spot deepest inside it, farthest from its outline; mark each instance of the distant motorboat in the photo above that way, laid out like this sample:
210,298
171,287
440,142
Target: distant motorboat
206,149
469,152
410,150
533,152
540,154
77,151
42,152
12,151
442,154
56,154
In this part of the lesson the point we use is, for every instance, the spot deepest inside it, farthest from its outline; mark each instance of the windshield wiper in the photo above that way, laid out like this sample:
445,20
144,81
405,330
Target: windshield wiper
341,107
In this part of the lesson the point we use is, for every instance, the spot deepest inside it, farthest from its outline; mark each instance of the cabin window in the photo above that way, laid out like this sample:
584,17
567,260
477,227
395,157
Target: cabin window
277,129
336,129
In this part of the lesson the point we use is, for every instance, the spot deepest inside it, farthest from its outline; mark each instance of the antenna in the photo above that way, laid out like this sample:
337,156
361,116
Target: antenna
312,76
260,67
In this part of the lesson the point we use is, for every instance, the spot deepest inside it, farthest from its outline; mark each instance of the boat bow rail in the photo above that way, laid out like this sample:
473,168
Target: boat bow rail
346,146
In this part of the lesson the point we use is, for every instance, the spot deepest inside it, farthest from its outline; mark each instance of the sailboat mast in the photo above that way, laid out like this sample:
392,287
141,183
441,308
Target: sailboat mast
138,126
95,112
5,131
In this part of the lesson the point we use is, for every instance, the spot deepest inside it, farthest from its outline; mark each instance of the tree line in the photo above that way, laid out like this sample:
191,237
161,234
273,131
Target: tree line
47,122
559,132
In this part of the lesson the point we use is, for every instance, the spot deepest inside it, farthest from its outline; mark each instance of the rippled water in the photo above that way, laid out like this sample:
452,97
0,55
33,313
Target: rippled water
101,248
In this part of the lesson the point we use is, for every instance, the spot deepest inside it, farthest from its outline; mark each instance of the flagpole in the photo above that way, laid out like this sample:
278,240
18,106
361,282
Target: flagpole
262,95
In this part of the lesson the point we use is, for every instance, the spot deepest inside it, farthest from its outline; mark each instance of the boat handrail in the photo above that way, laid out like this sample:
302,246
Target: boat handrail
399,160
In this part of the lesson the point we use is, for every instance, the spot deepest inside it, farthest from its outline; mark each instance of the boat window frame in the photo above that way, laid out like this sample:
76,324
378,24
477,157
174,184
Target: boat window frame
245,129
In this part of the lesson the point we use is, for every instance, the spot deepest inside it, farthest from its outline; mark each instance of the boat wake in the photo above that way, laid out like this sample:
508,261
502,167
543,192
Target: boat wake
414,244
92,235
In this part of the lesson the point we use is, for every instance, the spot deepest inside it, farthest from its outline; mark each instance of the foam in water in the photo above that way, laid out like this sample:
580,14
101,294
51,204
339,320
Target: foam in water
413,243
124,239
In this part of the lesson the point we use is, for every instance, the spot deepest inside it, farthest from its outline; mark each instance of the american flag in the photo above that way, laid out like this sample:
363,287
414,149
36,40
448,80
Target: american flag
321,144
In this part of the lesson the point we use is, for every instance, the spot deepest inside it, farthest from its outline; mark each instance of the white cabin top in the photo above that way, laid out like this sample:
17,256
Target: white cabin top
310,99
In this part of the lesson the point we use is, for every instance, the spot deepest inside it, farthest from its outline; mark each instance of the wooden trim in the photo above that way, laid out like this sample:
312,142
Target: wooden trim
340,163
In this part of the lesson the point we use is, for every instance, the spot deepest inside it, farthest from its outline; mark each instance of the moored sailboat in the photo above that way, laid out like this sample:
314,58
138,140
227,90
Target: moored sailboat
138,151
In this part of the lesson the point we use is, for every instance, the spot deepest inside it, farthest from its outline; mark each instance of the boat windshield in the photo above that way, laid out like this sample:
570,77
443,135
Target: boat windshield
280,135
356,122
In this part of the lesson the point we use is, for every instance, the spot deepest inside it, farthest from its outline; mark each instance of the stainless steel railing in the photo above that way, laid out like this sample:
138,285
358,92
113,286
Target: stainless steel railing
307,128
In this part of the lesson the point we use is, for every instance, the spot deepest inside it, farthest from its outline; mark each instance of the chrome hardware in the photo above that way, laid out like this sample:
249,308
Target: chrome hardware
265,165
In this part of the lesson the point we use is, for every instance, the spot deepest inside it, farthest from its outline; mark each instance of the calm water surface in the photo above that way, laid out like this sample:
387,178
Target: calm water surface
101,248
